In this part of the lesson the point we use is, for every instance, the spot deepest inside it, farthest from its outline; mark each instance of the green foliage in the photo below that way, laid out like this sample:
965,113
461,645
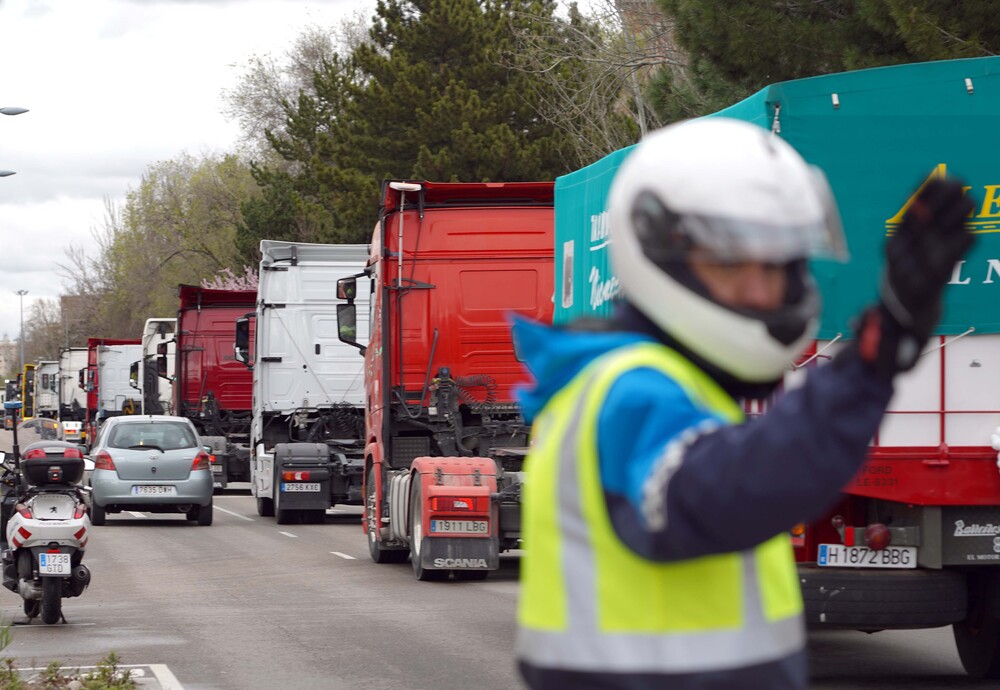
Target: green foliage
739,46
107,676
424,98
179,226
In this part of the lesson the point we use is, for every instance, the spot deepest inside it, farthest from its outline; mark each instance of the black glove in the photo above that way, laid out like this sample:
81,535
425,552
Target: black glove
920,258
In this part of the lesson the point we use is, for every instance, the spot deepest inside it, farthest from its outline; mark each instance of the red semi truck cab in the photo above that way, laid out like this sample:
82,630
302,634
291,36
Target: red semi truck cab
450,262
107,357
211,388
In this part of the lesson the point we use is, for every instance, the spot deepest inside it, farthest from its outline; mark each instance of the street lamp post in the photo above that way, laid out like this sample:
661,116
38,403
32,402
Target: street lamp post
21,294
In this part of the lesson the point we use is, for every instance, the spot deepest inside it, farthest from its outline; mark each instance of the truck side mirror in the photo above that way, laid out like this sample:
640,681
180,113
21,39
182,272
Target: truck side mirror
133,375
347,323
347,288
241,344
161,360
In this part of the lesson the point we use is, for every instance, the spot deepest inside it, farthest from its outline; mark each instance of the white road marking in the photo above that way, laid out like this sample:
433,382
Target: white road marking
289,534
140,515
343,555
168,681
229,512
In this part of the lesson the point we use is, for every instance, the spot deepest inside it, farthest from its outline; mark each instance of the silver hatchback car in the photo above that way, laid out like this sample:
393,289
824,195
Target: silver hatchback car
150,463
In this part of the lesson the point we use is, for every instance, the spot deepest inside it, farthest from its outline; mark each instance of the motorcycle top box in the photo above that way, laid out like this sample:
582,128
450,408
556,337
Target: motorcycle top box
52,462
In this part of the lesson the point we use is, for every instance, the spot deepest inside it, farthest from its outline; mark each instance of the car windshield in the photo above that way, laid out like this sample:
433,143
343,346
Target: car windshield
163,435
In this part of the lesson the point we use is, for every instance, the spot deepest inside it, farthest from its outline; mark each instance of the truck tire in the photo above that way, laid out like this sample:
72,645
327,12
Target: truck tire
417,538
375,550
874,600
979,646
978,636
265,507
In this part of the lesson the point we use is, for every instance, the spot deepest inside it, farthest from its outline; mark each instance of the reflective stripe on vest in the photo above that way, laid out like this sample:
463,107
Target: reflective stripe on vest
590,603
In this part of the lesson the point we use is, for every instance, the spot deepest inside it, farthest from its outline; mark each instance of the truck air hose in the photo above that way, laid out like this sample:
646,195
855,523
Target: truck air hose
463,383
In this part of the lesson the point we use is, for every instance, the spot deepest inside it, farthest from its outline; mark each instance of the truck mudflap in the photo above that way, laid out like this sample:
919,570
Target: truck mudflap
453,522
301,477
452,553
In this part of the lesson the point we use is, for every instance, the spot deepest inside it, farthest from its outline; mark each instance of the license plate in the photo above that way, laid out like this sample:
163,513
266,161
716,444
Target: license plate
292,487
460,527
216,469
838,555
154,490
53,564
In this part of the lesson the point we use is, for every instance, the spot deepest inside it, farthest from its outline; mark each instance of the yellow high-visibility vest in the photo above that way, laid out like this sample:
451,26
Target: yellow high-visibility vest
588,602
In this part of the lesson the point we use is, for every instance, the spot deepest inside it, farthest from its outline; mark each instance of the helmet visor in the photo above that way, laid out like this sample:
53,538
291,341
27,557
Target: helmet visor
735,240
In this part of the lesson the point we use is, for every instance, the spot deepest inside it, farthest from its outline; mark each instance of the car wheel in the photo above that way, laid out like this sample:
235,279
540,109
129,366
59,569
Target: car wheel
98,516
205,515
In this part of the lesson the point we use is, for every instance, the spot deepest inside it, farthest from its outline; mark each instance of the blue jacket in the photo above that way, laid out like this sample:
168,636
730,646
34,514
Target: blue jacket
736,486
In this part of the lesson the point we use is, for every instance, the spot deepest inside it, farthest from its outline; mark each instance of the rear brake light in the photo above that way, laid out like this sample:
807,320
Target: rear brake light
295,476
81,510
201,461
460,503
41,454
103,461
24,511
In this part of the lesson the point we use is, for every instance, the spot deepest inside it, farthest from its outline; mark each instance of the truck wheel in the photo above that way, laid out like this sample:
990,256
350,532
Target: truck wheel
873,599
265,507
979,647
978,636
51,600
372,523
98,516
417,538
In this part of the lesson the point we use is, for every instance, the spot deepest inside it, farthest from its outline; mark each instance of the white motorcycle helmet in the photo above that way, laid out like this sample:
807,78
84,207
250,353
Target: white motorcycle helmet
744,195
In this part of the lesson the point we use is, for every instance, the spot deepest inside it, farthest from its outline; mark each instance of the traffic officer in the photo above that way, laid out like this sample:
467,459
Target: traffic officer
655,515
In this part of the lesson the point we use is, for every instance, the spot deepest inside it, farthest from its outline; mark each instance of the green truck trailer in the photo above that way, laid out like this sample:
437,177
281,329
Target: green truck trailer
932,474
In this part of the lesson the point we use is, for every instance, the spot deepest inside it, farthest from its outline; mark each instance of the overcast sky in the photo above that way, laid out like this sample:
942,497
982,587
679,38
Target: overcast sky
113,86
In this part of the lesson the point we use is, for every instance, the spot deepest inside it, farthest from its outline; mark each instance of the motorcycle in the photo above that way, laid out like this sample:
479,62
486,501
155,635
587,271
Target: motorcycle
46,524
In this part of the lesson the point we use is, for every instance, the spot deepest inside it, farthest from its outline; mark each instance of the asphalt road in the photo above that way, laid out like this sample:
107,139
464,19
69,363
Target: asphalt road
247,604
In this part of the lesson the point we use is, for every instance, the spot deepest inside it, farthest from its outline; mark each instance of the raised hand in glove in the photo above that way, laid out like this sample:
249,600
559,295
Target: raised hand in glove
920,258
